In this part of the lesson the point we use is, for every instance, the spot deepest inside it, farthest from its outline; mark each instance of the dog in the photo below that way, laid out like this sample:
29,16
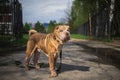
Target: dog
51,44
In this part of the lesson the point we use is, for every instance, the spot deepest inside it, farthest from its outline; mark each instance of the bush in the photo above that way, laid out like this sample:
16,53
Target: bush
9,42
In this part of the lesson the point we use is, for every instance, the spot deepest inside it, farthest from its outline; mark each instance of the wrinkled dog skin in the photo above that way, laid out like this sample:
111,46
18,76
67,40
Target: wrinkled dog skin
51,44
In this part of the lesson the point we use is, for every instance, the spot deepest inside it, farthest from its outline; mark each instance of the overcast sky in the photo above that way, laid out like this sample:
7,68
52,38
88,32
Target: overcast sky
44,10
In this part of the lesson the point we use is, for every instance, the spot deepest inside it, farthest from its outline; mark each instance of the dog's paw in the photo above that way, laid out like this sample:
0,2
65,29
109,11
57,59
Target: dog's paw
53,74
27,68
37,66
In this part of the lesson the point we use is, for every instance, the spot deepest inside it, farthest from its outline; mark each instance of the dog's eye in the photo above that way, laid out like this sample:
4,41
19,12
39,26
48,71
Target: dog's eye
68,30
61,30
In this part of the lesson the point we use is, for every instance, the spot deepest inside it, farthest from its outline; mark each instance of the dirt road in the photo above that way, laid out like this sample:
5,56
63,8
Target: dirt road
78,63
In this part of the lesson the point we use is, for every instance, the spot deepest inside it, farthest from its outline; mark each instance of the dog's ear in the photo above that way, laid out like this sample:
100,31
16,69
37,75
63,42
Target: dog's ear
57,27
68,27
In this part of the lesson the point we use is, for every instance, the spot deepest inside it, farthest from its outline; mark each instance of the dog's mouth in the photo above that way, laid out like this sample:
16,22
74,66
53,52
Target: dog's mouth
65,39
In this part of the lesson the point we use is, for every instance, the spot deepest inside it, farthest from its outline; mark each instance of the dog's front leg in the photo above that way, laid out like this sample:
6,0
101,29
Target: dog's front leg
52,65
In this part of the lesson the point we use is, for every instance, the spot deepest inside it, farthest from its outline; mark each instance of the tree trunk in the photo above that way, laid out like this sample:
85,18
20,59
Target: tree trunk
97,20
90,24
112,4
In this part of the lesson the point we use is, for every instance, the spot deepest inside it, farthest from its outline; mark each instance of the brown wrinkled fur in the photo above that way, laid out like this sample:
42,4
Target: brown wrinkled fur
50,44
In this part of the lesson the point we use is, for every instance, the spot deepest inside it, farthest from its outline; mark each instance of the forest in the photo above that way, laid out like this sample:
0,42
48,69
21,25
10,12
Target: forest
95,17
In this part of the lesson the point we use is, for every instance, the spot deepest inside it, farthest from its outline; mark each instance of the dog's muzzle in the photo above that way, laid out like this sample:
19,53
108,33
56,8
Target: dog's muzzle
67,36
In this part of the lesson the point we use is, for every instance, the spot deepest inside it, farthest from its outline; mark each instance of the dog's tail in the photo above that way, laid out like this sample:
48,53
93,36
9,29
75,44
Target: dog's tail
32,31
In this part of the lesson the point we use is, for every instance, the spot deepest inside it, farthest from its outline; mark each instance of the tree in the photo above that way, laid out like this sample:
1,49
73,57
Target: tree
80,12
67,18
116,19
26,27
39,27
51,26
112,4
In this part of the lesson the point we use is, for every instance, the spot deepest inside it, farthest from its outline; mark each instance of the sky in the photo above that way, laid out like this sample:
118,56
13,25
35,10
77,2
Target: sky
44,10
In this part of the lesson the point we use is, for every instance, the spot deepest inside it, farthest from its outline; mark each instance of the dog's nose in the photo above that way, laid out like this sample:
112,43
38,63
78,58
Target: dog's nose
67,34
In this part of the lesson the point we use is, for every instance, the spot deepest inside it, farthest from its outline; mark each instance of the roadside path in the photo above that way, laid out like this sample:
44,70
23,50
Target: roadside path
79,63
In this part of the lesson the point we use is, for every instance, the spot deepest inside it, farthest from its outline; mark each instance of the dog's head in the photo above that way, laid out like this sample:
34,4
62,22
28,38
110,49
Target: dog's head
62,32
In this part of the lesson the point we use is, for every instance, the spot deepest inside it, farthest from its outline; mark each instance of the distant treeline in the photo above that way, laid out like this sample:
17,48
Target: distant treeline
40,27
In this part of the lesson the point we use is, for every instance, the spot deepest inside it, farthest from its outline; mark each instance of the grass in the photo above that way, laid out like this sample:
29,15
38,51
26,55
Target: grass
105,39
79,36
20,42
9,42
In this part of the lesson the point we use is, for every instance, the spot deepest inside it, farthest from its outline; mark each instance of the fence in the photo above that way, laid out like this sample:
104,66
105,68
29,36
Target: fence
10,19
98,25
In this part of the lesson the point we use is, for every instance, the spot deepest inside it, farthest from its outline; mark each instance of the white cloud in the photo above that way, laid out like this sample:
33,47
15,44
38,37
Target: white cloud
44,10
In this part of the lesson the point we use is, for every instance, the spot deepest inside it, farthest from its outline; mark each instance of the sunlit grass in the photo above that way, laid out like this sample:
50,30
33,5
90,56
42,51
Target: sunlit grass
79,36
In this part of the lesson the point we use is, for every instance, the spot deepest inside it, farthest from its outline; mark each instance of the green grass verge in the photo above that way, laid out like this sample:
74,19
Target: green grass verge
12,43
79,36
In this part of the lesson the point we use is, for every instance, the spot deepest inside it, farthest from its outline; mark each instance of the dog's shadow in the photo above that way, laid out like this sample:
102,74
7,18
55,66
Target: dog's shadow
69,67
64,67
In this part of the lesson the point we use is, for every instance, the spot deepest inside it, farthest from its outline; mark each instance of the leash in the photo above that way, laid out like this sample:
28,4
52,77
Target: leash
60,63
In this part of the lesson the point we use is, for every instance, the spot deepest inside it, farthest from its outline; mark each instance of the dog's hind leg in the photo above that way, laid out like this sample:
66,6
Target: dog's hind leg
35,59
29,52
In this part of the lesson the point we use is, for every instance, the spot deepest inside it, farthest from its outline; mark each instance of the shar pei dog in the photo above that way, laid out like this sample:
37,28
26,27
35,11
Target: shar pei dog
51,44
